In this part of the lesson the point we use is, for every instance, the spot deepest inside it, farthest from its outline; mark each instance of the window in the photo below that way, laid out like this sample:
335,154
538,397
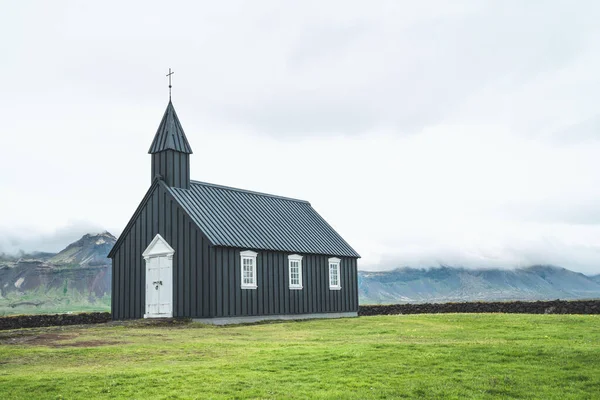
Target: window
295,267
334,274
248,263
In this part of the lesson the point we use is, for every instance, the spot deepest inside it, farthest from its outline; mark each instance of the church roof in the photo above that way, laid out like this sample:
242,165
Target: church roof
170,135
245,219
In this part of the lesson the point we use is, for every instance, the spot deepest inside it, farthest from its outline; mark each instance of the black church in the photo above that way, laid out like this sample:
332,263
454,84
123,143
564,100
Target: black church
224,255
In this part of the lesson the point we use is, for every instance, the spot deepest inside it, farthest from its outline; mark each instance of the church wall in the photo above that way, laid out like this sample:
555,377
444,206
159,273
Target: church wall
273,295
161,214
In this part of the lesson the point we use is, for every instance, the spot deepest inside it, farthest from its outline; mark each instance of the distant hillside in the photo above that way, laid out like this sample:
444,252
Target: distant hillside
90,250
445,284
77,276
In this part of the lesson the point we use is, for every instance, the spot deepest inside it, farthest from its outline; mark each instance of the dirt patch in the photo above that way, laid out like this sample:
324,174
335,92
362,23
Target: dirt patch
36,340
54,340
86,343
159,322
53,337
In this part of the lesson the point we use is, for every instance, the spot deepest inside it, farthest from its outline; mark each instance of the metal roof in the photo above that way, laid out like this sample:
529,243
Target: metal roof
170,135
241,218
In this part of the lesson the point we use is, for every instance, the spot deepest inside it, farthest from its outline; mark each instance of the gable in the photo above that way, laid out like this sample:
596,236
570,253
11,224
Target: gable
133,218
158,190
158,246
239,218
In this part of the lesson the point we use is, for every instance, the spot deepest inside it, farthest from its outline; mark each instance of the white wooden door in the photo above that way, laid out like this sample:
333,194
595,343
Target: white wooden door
159,289
159,278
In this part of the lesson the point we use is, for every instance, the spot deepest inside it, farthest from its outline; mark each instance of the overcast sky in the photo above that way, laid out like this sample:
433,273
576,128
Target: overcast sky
426,132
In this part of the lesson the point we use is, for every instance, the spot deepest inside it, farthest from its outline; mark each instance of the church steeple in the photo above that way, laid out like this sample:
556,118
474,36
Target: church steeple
170,134
171,151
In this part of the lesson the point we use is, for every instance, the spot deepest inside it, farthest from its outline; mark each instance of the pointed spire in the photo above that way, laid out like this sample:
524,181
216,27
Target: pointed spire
170,135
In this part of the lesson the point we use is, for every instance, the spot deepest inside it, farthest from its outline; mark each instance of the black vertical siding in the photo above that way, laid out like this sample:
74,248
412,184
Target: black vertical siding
193,277
173,166
121,283
179,247
162,215
273,295
205,281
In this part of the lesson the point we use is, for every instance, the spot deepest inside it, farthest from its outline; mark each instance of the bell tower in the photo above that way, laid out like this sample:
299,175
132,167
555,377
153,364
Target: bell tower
171,151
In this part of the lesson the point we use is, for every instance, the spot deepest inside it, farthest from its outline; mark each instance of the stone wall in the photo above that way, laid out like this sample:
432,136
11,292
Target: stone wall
513,307
33,321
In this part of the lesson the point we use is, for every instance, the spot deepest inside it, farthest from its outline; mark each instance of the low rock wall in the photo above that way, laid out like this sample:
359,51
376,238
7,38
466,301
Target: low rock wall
34,321
513,307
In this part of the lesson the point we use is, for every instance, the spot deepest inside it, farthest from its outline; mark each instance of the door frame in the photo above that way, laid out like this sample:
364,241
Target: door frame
158,247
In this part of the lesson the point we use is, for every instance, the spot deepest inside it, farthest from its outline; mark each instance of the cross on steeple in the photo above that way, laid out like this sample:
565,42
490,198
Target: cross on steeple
169,75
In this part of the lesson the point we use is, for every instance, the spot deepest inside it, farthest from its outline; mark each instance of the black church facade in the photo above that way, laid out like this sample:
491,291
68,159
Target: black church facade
223,255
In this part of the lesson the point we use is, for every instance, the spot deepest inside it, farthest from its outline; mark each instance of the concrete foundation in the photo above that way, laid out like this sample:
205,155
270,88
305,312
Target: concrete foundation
258,318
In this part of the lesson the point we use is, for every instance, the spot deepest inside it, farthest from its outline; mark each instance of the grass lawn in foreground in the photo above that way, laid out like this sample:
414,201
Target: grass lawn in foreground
412,356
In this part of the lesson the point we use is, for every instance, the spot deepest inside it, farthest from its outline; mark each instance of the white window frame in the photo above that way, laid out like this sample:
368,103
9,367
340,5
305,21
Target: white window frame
295,258
334,261
248,255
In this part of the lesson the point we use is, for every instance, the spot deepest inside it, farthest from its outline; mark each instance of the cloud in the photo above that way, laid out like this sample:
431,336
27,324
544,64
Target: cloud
361,73
425,132
508,247
32,239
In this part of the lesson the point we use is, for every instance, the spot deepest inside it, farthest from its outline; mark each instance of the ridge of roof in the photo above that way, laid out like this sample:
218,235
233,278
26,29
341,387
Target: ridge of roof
247,191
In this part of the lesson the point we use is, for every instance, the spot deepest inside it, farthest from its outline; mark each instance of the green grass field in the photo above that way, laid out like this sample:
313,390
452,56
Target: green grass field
416,356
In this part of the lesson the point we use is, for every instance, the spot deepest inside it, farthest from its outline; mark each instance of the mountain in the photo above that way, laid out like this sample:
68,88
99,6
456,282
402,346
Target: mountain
90,250
446,284
79,277
79,273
